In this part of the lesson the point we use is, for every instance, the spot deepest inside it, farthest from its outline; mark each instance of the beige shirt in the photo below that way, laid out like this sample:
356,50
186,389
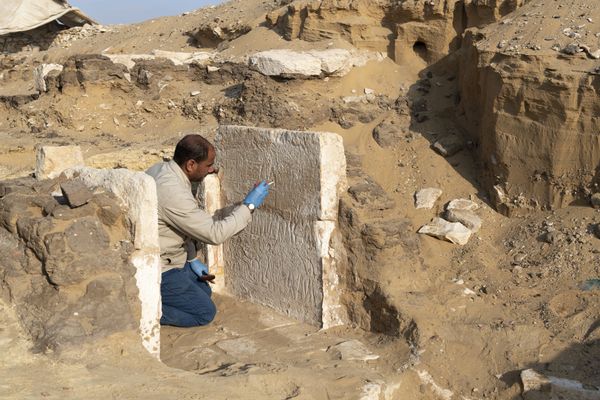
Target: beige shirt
180,219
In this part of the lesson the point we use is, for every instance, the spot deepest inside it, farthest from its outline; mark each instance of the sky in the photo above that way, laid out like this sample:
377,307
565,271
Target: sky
129,11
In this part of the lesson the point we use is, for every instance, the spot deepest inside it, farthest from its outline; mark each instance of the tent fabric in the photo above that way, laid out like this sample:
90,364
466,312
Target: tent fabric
24,15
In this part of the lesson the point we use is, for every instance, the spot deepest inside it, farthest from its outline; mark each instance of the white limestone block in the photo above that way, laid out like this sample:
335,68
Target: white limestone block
426,198
287,257
537,386
40,73
462,204
137,191
334,61
181,58
285,62
51,161
465,217
454,232
211,190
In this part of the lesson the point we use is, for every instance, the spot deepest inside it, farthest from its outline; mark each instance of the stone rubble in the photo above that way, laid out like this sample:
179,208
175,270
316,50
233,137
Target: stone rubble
453,232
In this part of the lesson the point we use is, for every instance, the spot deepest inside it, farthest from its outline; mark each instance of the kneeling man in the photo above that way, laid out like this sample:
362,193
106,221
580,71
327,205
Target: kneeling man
184,288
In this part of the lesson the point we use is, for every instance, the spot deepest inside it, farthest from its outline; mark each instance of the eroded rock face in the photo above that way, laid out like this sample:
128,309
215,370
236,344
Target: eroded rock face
532,109
429,28
65,270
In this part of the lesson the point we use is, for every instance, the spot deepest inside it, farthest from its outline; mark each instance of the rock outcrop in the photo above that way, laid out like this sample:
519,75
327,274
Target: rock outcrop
431,29
531,108
66,270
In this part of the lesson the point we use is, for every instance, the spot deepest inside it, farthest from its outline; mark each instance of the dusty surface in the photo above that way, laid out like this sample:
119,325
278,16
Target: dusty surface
449,322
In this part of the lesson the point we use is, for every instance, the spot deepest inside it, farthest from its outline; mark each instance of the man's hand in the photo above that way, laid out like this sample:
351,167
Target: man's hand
198,267
257,195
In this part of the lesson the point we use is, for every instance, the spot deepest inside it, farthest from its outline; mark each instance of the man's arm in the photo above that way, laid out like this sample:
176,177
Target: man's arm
185,216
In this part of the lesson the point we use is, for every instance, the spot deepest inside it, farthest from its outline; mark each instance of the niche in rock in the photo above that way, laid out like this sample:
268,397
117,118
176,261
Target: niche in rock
420,49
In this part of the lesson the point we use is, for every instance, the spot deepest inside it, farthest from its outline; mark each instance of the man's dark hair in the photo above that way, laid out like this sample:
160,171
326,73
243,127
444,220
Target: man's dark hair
191,147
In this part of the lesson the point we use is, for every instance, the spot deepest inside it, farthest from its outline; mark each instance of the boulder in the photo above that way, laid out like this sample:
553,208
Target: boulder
453,232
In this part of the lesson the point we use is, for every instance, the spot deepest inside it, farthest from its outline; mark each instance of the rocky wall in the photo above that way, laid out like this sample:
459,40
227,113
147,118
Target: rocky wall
532,111
432,29
66,269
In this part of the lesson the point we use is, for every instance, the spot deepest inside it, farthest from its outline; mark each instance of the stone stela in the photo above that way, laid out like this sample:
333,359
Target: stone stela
287,257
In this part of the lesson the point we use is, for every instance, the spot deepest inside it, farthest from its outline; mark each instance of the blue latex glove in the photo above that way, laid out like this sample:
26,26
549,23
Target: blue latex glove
258,194
198,267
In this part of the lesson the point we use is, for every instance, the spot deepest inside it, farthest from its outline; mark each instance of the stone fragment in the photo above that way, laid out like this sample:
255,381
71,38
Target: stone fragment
299,219
448,146
462,204
595,200
465,217
40,73
76,193
426,198
351,350
454,232
540,387
51,161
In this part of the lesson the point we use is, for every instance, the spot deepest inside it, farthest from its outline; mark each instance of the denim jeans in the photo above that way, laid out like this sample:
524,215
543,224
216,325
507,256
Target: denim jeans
185,299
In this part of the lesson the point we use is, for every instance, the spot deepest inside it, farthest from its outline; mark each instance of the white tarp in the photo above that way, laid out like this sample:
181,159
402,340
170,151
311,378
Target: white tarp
24,15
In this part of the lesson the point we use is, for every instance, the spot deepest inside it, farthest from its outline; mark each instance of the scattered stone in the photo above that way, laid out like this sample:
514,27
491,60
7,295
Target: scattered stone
592,54
454,232
195,93
351,350
448,145
390,131
426,198
537,387
462,204
550,237
465,217
211,68
368,192
571,49
595,200
50,161
596,230
76,193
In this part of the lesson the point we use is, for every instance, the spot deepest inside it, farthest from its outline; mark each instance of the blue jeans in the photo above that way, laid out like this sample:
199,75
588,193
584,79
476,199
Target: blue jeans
185,299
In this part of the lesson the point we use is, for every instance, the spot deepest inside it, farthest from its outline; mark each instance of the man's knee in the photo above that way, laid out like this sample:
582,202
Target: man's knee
209,311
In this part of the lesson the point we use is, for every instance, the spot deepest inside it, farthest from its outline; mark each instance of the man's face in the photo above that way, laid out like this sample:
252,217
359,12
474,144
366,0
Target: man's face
196,171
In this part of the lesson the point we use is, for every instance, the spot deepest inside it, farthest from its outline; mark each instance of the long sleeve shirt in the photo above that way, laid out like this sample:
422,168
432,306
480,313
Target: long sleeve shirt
181,220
